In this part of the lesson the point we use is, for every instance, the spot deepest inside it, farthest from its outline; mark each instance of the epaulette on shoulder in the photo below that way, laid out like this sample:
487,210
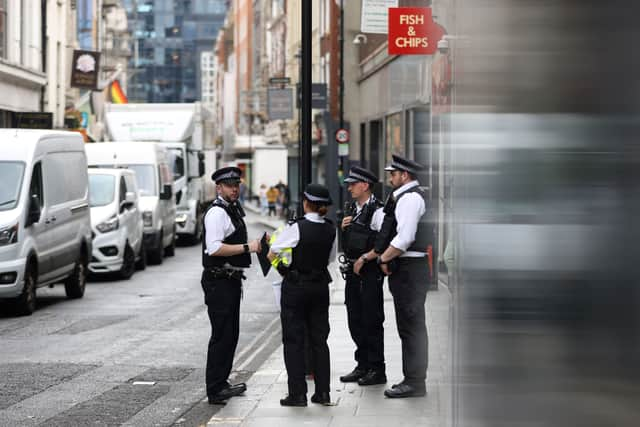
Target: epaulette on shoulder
294,220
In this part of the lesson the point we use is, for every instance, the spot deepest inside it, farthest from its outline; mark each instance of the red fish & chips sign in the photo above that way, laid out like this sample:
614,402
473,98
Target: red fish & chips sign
412,31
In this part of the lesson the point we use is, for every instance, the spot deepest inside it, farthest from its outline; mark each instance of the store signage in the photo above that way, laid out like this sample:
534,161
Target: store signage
319,96
412,31
85,68
33,120
280,103
374,17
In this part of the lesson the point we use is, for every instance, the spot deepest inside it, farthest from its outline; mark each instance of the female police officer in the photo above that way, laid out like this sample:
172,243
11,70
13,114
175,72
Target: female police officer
305,296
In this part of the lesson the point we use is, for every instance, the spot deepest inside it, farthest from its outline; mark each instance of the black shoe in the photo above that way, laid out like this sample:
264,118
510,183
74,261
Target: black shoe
228,392
322,398
404,390
294,400
399,384
353,376
373,378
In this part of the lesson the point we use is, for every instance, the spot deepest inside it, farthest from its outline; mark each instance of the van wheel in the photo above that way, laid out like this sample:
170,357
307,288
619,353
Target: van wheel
141,264
75,284
25,304
171,249
155,256
128,263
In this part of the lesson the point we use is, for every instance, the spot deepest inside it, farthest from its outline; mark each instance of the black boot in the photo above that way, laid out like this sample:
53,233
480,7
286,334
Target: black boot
354,375
373,377
294,400
321,398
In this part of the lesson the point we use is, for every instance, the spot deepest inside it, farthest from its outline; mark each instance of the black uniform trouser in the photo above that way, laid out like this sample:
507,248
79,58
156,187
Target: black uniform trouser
408,285
365,316
305,304
222,297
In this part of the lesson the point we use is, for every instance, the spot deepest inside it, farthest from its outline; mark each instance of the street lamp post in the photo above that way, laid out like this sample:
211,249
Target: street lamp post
341,100
305,159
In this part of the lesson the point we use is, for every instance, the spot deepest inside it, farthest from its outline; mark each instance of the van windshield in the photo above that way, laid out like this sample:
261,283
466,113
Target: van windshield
146,179
101,189
10,184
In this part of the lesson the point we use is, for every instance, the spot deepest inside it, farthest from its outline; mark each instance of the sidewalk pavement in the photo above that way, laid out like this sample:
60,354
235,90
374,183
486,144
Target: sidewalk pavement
253,213
354,405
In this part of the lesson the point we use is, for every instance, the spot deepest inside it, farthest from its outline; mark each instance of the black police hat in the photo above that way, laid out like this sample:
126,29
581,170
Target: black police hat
317,193
401,164
358,174
229,175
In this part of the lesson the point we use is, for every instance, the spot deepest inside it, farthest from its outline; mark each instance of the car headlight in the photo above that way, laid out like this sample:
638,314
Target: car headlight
182,218
9,235
147,218
109,225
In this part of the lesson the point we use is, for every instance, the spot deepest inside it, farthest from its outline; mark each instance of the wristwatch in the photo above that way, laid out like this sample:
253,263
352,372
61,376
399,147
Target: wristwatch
379,260
246,248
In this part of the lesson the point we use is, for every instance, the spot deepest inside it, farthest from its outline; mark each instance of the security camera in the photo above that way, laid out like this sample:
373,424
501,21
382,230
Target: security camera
443,46
360,39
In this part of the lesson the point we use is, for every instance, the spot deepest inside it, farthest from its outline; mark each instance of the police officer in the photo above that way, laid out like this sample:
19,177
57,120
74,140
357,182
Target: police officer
305,296
225,255
405,233
364,279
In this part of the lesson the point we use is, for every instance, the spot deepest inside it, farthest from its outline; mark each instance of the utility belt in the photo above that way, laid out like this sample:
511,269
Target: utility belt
297,276
225,273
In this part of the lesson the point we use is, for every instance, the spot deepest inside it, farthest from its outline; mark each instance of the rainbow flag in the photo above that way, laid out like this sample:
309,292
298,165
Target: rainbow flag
117,94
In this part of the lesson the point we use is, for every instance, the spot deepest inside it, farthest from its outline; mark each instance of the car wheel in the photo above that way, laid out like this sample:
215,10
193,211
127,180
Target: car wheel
128,263
171,249
25,304
75,284
155,255
141,264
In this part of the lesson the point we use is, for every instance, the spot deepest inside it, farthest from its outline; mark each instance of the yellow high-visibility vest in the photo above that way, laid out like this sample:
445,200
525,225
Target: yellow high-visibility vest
285,256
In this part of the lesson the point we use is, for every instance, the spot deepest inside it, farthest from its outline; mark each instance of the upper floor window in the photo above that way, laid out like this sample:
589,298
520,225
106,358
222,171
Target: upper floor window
3,28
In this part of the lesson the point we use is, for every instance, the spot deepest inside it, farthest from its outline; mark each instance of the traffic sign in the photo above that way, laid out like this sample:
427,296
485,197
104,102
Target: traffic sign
279,80
342,136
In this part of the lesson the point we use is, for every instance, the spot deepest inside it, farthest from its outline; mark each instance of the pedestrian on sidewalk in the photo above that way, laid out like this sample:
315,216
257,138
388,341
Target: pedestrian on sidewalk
225,255
364,279
262,194
272,198
305,296
402,243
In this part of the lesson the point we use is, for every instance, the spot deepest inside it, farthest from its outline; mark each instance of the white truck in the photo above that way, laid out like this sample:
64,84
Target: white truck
186,132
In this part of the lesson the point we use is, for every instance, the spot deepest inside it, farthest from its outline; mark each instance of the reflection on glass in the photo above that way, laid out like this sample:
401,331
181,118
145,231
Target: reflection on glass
10,184
146,180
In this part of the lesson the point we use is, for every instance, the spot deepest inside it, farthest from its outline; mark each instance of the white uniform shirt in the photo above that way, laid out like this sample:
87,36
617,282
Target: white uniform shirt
409,210
218,227
376,219
290,236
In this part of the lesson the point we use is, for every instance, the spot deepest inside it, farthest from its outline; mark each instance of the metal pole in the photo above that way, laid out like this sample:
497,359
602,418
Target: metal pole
305,165
341,102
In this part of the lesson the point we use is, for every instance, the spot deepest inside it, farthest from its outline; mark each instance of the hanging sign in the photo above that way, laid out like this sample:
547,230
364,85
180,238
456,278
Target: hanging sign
374,17
412,31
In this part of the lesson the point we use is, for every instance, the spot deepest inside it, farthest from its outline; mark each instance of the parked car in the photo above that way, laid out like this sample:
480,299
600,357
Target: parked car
45,228
155,184
116,220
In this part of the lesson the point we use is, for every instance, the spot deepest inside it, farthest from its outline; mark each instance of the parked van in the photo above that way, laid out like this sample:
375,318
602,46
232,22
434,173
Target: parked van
45,229
116,221
154,179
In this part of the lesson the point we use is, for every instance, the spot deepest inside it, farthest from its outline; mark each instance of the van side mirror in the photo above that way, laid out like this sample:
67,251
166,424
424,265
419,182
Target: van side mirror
167,192
34,210
128,202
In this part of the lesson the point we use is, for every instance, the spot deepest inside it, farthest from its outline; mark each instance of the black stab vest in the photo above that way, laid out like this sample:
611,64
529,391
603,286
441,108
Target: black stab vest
238,237
311,254
358,237
424,233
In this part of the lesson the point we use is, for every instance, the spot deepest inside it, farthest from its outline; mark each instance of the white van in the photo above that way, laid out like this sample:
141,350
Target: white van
116,221
155,185
45,229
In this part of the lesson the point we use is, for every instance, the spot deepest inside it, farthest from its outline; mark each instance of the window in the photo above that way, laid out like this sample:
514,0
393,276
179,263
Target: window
10,184
101,189
35,187
3,28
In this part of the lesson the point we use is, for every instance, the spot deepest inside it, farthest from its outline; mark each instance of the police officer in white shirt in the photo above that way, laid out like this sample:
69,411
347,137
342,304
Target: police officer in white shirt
305,296
404,236
364,279
225,255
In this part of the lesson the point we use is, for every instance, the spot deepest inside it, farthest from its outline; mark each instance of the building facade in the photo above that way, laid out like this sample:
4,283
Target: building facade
22,76
168,38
